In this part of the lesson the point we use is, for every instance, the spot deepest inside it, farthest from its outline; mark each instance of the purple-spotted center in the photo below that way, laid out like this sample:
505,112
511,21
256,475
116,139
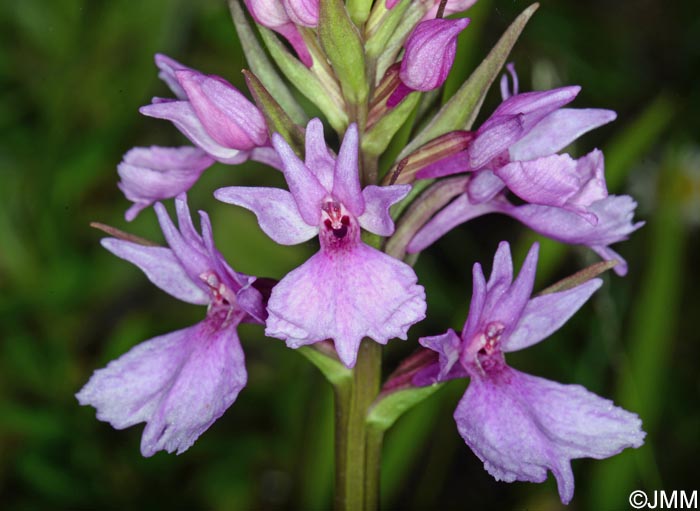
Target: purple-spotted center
484,352
335,218
222,308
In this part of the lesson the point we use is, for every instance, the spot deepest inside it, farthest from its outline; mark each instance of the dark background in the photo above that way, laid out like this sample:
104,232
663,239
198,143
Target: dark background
72,75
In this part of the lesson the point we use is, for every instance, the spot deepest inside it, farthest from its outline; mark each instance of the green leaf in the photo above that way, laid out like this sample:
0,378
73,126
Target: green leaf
332,368
461,110
304,80
388,408
277,119
376,140
261,65
343,46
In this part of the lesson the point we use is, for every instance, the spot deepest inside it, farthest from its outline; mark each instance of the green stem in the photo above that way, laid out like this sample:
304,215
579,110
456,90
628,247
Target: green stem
373,458
352,403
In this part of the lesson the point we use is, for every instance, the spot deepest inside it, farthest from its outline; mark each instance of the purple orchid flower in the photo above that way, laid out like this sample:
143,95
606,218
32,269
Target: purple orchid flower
302,12
451,7
213,114
150,174
347,290
519,425
430,53
515,151
273,15
179,383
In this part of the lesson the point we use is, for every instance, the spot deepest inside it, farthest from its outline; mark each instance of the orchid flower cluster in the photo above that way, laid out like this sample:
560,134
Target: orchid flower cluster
367,67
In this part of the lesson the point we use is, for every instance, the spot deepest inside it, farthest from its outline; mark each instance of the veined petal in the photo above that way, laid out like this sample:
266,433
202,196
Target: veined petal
520,426
192,256
448,347
226,114
557,130
483,186
302,12
346,295
161,267
181,114
178,383
378,200
150,174
168,67
346,177
275,210
550,180
614,213
307,191
544,315
318,159
455,213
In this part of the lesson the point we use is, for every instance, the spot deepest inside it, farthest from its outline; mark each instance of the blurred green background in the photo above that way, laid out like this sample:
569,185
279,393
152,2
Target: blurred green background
72,75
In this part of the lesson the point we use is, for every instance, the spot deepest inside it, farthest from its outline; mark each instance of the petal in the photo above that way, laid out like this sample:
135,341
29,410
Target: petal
544,315
157,173
317,158
181,114
448,346
178,383
307,191
168,67
614,213
508,307
161,267
345,296
378,201
190,252
303,12
476,306
513,119
550,180
557,130
226,114
275,210
453,164
457,212
483,186
346,177
520,426
430,52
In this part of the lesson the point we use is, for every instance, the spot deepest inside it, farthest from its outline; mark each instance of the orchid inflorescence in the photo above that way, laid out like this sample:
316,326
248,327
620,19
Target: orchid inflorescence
367,66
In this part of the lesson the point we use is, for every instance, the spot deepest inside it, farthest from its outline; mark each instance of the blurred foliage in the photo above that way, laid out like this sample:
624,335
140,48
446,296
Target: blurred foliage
72,75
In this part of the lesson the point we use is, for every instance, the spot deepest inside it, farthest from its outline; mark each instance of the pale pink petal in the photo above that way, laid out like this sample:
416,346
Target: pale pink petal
302,12
168,67
306,189
225,113
448,346
345,296
457,212
557,130
317,158
181,114
544,315
378,201
550,180
275,210
521,426
161,267
346,178
178,383
483,186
